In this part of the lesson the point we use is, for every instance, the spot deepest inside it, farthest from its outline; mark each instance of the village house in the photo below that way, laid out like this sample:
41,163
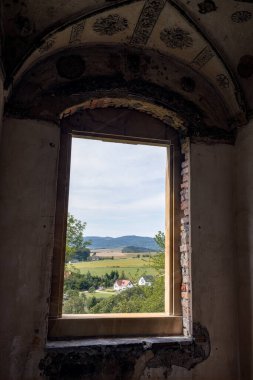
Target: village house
122,285
146,280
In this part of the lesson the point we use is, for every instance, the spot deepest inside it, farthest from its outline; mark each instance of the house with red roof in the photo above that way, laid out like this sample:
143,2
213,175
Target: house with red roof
122,285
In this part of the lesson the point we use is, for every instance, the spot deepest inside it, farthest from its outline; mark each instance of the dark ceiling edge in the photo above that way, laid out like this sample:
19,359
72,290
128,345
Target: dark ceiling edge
136,49
180,8
126,49
58,27
98,87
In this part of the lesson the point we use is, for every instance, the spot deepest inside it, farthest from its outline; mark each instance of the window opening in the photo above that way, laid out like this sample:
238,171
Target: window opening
116,324
115,246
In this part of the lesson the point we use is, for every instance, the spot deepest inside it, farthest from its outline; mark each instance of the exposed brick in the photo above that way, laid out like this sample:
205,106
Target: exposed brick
184,220
185,303
184,185
185,238
184,247
185,271
184,262
184,205
185,178
185,148
185,287
186,278
185,171
186,211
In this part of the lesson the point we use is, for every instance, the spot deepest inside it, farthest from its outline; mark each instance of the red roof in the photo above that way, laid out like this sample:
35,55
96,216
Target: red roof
123,282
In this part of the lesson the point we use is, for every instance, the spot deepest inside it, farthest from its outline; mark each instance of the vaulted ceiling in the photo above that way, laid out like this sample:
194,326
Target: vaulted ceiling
194,57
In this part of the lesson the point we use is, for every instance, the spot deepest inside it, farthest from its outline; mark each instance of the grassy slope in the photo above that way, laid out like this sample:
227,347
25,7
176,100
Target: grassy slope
129,266
99,294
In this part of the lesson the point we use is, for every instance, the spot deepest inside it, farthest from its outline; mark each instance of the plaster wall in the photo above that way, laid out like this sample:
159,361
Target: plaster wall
28,168
213,252
1,96
28,172
244,166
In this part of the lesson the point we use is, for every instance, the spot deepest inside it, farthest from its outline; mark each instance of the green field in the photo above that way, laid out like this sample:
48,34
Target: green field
129,265
100,294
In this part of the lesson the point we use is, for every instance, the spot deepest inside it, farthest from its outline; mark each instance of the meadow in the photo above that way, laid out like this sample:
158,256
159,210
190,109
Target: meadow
133,267
99,294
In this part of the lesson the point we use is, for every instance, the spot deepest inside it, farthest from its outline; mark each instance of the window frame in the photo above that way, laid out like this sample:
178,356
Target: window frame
117,325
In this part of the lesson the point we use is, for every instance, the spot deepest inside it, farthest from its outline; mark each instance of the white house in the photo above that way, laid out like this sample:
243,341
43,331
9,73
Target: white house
146,280
122,285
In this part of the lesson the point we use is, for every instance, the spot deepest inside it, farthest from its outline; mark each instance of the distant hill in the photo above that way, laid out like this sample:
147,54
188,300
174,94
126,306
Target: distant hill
122,241
134,249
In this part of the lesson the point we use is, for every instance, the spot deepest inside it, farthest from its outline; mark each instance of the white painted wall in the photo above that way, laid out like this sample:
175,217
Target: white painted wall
244,185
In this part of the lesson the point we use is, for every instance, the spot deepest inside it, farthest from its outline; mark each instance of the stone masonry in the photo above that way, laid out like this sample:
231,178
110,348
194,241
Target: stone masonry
185,248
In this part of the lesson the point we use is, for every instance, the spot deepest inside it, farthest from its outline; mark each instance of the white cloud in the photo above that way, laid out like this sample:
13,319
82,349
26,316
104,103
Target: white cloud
118,189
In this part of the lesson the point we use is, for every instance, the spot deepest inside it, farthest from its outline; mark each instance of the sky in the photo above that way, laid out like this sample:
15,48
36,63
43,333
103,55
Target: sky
117,189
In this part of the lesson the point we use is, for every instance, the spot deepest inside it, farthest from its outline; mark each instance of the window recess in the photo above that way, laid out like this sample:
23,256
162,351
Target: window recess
119,324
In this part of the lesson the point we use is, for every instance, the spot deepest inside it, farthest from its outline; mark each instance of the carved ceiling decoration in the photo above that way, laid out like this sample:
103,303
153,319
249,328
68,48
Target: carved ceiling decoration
207,6
76,33
110,24
205,37
176,38
222,80
147,20
241,16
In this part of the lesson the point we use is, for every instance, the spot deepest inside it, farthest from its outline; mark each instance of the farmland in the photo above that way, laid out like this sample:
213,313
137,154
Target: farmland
132,266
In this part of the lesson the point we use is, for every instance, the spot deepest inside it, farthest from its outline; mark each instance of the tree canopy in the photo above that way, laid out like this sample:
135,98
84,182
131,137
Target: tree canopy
74,239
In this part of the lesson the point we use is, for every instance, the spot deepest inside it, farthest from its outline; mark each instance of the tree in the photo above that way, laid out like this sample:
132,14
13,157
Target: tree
160,240
75,303
74,239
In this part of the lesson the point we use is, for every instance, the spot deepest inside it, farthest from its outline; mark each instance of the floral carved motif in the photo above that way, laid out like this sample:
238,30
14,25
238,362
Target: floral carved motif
176,38
110,25
222,80
207,6
241,16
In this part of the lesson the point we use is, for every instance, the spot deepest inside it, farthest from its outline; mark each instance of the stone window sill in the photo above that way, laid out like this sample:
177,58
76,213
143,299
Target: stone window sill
122,358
